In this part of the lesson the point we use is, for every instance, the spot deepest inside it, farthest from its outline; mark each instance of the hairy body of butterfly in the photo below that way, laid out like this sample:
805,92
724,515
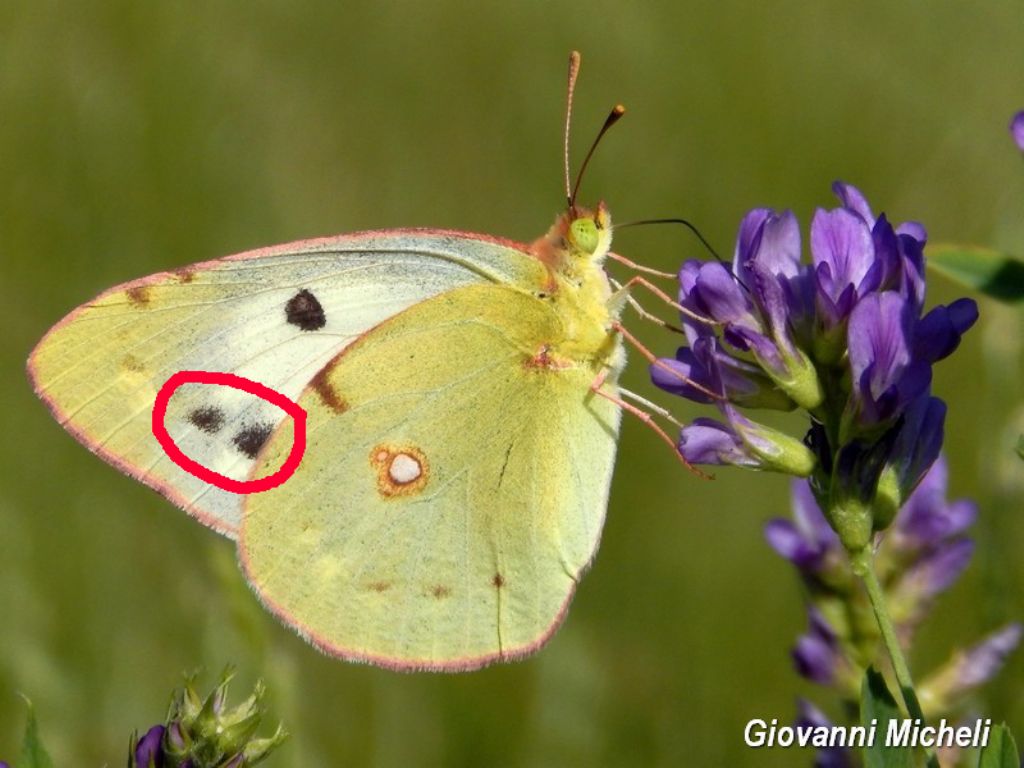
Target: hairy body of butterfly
456,475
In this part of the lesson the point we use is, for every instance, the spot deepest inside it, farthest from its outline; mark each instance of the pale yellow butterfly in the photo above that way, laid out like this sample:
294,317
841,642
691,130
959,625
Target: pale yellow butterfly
463,410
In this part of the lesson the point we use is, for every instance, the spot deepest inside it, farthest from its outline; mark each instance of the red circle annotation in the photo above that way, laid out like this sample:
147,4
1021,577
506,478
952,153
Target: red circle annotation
286,404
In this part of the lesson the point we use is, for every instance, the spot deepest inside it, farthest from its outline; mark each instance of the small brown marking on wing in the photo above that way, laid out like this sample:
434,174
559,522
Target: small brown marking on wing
132,364
328,394
139,296
402,470
440,591
185,274
379,586
498,581
545,361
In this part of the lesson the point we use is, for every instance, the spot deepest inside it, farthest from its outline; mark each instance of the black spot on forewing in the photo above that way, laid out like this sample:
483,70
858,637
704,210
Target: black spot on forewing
251,438
207,418
305,311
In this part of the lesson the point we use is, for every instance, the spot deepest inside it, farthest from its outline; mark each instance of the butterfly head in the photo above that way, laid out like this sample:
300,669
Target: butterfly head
580,237
589,233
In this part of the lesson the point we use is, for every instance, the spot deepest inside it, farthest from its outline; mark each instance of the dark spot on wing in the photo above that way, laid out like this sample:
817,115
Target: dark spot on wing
139,295
327,393
208,419
380,586
185,274
440,591
251,439
305,311
498,580
133,364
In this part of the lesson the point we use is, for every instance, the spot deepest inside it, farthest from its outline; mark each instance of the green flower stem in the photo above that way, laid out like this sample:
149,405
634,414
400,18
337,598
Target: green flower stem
864,567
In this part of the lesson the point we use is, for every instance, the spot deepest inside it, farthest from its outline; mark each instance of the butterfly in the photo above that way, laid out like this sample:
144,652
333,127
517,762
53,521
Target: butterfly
460,411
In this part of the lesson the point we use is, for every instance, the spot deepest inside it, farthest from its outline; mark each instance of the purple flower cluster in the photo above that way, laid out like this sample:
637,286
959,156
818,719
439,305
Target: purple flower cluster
922,555
843,337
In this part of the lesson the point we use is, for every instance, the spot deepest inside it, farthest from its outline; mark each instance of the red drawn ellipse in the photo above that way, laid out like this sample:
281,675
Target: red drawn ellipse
286,404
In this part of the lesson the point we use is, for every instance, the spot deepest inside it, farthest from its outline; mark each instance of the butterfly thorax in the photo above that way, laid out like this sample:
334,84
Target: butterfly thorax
574,250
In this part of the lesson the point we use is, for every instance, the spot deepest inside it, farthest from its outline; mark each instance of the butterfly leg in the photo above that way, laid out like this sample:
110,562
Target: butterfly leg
639,267
651,358
665,413
646,418
620,295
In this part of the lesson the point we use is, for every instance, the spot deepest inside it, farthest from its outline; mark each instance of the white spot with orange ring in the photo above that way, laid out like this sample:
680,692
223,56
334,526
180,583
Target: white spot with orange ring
404,469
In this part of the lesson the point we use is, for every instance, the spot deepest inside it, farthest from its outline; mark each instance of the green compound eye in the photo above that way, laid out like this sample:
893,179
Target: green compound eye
584,234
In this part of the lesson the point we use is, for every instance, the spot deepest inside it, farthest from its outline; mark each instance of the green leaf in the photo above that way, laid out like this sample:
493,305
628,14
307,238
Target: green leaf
877,708
33,754
991,272
1001,752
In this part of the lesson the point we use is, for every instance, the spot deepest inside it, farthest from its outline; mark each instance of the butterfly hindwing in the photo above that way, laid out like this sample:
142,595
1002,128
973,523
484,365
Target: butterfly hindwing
403,542
276,316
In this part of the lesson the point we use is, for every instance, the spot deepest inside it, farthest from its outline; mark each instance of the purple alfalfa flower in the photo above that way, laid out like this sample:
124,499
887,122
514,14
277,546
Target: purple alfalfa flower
706,441
1017,129
886,377
693,375
757,304
816,654
925,549
809,716
980,663
148,752
891,352
767,250
938,334
845,267
927,517
855,254
915,444
807,540
932,574
969,669
739,441
743,443
767,262
767,266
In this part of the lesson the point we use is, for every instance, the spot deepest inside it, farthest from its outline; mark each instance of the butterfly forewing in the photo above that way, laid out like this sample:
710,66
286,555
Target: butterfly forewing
275,316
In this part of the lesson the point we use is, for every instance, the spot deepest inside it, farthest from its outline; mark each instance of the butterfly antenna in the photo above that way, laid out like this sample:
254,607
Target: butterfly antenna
613,117
695,231
685,223
574,71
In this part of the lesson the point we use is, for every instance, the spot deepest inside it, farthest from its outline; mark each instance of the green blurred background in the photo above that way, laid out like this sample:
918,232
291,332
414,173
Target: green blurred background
137,137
